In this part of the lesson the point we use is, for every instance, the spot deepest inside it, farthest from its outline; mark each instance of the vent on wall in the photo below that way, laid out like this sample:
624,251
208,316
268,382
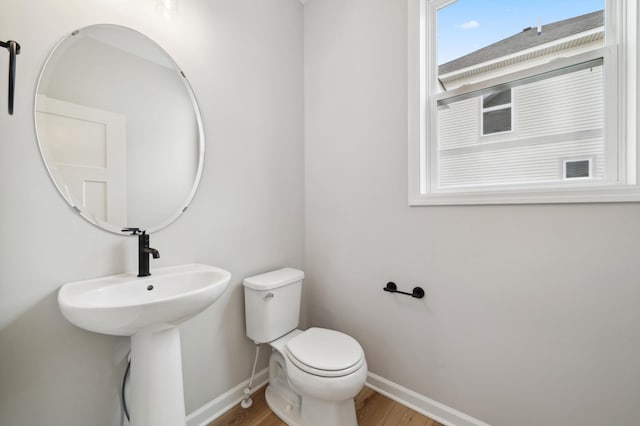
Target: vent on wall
577,169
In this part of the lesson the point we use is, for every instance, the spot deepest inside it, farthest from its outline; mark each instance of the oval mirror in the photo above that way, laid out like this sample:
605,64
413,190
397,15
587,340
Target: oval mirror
119,129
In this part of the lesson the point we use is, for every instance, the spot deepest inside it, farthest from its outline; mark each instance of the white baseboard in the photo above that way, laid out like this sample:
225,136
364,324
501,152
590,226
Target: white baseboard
430,408
214,409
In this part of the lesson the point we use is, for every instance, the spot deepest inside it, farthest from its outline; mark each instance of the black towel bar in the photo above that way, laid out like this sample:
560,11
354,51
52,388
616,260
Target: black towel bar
14,49
391,287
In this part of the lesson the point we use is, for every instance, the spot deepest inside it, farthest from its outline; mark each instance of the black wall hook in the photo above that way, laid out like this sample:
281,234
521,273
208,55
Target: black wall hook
391,287
14,49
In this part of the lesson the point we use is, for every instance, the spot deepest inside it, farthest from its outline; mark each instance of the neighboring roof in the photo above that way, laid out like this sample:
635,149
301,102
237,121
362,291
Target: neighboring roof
526,39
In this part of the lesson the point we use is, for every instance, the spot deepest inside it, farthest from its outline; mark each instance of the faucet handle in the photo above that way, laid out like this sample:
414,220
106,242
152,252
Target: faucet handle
135,231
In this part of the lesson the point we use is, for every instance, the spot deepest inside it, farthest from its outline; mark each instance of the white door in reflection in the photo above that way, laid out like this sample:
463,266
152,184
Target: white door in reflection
88,146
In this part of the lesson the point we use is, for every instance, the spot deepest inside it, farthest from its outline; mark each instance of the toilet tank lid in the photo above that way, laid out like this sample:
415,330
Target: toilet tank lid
274,279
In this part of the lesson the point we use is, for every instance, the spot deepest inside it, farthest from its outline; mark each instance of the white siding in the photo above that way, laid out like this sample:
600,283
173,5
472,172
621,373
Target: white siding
554,119
567,103
520,164
459,124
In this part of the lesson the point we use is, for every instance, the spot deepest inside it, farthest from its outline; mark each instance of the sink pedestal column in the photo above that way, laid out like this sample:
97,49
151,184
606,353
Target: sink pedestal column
157,395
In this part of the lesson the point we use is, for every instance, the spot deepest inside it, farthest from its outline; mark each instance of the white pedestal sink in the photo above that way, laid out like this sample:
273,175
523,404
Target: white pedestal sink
148,309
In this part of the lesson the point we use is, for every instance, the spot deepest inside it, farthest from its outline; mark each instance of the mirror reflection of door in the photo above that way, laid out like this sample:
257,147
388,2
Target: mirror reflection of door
126,136
88,146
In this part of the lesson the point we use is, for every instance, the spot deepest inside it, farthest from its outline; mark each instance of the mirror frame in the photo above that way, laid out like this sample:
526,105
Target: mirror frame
118,229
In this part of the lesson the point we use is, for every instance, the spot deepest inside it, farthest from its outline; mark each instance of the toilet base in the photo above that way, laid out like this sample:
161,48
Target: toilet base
323,413
313,411
288,411
297,410
282,400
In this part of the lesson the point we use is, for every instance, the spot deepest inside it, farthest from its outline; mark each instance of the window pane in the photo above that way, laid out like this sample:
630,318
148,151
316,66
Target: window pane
495,99
557,118
496,121
479,38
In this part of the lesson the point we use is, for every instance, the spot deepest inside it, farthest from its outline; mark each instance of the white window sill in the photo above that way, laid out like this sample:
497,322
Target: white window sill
604,194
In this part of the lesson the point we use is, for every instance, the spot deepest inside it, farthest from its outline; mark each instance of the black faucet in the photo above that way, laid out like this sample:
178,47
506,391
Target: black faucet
143,251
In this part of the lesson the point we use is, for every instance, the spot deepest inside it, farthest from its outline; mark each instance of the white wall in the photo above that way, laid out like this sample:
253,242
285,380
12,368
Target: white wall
244,60
531,312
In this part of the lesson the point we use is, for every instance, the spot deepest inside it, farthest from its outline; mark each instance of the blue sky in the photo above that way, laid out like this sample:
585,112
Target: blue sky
469,25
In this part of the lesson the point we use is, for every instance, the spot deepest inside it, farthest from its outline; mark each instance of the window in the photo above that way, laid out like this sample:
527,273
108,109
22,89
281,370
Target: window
577,169
490,124
496,112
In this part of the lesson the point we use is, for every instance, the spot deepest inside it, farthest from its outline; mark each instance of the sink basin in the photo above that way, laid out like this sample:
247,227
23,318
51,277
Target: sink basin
149,310
125,304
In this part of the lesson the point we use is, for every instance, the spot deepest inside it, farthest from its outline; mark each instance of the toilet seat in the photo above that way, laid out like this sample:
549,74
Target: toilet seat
325,353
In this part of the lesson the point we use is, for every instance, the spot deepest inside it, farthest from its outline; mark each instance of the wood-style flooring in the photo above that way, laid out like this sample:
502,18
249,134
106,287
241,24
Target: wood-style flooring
372,409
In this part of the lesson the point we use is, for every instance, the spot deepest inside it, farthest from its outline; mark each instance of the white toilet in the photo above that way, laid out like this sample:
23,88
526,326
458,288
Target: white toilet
314,374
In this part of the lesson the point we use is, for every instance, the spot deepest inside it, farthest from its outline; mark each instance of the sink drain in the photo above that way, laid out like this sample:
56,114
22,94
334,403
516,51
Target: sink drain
149,287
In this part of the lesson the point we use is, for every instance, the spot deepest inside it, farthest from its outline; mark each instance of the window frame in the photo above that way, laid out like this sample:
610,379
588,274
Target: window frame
620,53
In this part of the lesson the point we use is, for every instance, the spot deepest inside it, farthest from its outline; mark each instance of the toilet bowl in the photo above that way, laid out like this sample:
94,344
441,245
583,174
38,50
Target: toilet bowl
314,374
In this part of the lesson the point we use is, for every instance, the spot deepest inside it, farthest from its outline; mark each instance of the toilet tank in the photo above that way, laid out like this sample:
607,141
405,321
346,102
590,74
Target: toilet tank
272,303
